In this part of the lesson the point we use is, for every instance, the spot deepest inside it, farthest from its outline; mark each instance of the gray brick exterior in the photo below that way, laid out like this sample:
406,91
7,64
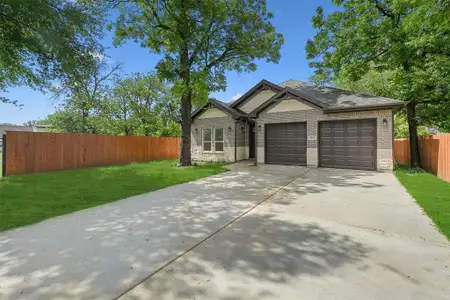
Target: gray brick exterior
313,116
236,134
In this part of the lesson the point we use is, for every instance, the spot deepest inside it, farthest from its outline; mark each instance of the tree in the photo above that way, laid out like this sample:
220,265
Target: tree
408,39
401,129
84,91
383,84
198,41
143,104
37,122
105,103
42,40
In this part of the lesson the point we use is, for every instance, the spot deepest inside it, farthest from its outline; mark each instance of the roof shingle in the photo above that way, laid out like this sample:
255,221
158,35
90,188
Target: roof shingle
337,98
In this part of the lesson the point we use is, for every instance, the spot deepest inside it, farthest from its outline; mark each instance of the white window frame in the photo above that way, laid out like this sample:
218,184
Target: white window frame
213,140
222,141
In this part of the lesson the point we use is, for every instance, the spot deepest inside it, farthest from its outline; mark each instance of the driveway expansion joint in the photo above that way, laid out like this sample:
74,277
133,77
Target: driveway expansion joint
168,263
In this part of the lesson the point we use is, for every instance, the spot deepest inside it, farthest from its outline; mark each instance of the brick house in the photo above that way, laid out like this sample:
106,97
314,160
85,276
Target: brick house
297,123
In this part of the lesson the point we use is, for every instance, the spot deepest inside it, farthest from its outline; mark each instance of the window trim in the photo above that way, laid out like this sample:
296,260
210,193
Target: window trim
203,140
222,141
213,140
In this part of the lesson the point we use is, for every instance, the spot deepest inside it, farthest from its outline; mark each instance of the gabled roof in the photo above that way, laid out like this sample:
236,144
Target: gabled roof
328,99
235,113
287,93
260,86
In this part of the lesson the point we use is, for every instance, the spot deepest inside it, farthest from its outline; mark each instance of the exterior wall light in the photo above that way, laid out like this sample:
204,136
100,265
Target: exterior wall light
385,122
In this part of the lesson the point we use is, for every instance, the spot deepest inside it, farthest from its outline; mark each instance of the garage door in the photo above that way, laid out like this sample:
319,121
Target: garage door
286,144
348,144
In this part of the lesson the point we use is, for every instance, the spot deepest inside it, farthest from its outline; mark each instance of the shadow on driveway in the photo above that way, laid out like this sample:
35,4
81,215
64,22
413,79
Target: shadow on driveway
100,252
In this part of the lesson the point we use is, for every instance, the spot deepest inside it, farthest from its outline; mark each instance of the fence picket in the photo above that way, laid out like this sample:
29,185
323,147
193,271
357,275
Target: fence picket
37,152
434,154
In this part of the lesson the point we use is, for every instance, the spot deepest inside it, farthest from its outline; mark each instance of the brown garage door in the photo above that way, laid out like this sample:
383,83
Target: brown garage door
286,144
348,144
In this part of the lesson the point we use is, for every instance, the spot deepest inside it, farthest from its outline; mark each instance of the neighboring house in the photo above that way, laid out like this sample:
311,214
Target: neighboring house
11,127
297,123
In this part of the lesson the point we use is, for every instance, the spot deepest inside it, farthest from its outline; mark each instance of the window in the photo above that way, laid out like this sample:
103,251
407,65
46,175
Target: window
207,139
218,139
212,139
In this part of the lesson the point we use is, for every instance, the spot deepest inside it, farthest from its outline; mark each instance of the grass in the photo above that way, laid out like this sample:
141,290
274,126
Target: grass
430,192
27,199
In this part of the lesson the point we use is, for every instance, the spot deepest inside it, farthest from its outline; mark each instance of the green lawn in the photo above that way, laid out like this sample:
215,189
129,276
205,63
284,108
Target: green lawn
27,199
432,193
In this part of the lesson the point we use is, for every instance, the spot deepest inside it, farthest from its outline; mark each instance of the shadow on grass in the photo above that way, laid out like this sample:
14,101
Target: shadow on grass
27,199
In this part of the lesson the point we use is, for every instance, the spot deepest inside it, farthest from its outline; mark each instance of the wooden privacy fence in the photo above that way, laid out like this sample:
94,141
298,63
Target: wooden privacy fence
36,152
434,154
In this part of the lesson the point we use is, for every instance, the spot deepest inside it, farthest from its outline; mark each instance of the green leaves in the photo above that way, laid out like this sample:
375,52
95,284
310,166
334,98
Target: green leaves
42,40
408,41
139,104
199,42
217,35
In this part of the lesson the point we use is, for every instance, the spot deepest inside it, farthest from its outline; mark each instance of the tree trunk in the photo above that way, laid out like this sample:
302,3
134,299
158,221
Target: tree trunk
186,97
185,148
413,138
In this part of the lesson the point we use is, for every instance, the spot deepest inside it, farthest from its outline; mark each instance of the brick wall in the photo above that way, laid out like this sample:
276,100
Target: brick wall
313,116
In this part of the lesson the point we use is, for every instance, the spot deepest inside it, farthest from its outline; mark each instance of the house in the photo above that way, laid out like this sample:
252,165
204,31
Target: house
297,123
11,127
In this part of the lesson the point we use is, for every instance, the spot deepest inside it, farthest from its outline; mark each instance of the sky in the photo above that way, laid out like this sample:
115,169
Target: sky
292,18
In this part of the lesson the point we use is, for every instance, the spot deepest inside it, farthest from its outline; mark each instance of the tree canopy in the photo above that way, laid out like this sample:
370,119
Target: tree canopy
41,40
106,103
198,41
408,39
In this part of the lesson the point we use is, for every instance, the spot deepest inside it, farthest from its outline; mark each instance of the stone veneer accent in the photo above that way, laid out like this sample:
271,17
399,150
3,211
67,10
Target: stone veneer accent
312,117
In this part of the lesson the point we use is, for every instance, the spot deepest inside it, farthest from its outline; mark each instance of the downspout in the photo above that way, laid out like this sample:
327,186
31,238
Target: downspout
235,141
256,142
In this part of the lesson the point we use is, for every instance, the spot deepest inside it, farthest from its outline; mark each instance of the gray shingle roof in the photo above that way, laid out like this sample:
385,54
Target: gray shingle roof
328,98
233,112
293,84
10,127
337,98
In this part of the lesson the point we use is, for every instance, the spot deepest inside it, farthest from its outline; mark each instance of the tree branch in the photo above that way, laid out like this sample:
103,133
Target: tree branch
201,42
158,20
384,11
216,61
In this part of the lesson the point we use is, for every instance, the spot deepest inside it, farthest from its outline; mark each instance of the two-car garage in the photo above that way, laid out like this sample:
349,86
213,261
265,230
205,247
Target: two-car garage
346,144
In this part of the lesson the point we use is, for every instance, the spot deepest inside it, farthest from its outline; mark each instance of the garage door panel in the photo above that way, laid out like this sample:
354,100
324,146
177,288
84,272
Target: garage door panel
339,134
348,144
338,143
352,142
368,143
286,143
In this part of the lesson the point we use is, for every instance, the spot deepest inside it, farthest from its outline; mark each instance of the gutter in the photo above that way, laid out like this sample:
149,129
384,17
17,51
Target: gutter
364,107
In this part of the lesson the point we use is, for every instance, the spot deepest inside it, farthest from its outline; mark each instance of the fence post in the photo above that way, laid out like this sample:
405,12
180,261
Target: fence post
4,155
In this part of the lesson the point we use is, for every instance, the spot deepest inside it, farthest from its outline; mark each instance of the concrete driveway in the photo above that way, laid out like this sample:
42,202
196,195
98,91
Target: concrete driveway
267,232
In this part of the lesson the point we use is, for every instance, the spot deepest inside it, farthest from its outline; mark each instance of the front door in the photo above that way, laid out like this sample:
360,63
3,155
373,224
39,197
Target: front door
251,139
